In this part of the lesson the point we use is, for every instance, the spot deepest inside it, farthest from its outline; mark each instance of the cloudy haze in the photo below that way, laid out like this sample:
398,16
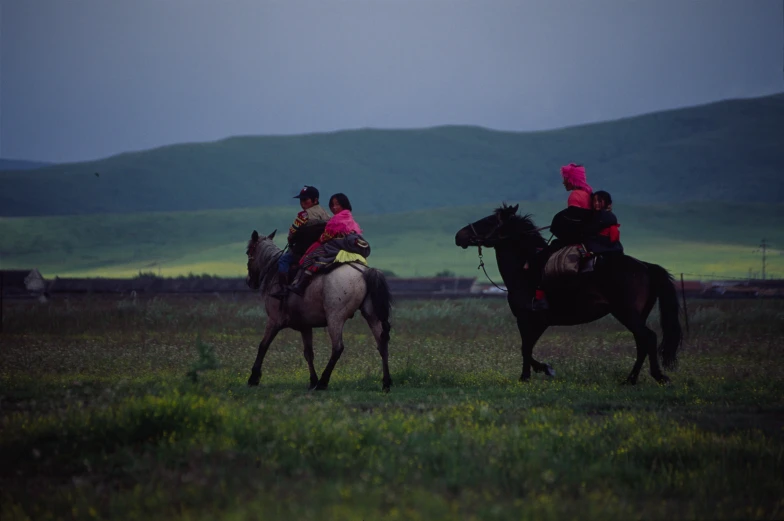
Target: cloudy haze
83,79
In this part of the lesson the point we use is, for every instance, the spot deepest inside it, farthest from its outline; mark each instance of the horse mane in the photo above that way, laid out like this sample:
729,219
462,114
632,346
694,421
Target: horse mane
265,254
522,225
251,244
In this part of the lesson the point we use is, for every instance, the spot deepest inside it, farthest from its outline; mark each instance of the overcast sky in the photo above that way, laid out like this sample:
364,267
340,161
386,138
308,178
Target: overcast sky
83,79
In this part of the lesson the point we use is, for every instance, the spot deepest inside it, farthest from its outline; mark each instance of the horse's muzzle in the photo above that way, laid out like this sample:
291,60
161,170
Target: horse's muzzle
464,238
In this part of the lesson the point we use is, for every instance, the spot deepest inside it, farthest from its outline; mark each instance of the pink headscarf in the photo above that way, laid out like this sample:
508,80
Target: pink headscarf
575,174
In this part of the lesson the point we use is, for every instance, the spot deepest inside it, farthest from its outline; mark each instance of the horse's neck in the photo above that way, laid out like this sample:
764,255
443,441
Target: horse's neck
268,260
511,259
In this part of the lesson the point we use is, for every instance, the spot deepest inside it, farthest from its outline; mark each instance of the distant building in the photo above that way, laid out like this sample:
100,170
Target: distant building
22,283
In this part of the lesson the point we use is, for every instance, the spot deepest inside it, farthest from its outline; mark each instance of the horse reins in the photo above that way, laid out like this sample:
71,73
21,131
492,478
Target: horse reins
481,257
482,265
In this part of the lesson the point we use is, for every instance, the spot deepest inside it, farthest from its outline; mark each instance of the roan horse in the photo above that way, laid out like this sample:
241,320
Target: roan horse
329,301
624,287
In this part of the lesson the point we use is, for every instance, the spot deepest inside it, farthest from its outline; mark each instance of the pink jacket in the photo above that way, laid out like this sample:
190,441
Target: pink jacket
340,225
579,198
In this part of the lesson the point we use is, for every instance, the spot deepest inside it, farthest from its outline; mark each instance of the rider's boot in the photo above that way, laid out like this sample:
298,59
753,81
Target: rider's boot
535,302
282,290
301,282
540,301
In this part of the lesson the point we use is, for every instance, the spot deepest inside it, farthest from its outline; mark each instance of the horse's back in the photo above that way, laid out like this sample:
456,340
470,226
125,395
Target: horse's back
620,280
343,291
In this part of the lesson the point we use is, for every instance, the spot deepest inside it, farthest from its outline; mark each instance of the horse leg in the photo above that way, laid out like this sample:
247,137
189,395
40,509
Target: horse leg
645,340
269,335
530,331
381,334
307,342
335,332
541,367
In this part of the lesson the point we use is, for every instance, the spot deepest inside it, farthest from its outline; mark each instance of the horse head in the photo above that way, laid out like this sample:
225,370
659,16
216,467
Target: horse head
488,230
253,280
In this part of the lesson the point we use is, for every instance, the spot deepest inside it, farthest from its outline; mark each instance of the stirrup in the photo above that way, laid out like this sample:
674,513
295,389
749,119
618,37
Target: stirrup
280,294
539,305
300,285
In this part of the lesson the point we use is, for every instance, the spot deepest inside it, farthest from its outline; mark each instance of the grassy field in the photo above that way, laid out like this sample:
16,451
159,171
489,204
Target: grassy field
101,420
703,238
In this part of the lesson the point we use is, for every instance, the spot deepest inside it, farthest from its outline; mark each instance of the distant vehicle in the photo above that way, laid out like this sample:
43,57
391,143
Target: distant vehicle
495,290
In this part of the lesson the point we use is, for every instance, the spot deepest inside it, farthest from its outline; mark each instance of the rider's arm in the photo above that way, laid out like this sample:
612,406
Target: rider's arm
299,222
600,221
326,236
569,224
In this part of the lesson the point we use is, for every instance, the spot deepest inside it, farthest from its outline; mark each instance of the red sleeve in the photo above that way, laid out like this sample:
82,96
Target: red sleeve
615,233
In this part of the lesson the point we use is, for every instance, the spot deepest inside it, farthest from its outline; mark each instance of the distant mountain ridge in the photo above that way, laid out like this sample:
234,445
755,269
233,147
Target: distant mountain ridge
730,150
20,164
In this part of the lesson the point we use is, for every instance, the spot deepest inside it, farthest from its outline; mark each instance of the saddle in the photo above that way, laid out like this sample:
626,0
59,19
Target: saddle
566,263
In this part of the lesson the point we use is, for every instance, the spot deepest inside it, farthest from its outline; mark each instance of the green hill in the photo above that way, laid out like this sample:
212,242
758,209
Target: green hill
728,151
696,238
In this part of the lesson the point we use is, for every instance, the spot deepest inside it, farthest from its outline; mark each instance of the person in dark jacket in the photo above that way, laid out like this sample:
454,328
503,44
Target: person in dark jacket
608,238
311,219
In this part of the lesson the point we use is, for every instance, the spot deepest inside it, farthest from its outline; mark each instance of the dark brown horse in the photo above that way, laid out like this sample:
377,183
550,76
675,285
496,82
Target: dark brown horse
621,286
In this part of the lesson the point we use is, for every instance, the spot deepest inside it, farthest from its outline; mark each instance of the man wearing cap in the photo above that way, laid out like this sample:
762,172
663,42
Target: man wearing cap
312,214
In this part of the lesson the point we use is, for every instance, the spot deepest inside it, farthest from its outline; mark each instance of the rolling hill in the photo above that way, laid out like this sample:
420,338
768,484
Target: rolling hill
726,151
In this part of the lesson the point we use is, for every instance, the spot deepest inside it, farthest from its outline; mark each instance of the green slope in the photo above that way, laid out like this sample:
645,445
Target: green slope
702,238
727,151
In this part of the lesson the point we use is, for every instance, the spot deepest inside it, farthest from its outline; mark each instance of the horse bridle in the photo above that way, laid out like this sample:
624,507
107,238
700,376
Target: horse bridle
480,241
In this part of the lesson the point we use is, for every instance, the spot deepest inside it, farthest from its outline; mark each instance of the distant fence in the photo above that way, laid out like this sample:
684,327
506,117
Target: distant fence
435,287
24,285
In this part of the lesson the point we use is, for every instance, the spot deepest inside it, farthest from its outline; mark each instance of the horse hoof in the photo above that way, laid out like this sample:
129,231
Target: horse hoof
525,379
254,379
548,370
663,380
629,381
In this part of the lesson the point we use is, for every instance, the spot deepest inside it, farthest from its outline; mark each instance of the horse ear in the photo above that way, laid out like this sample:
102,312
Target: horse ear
254,236
272,235
514,208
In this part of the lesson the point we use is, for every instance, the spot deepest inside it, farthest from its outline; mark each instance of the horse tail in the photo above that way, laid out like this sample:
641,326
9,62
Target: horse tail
380,297
672,336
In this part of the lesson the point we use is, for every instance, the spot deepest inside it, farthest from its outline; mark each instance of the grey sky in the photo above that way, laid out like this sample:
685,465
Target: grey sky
82,79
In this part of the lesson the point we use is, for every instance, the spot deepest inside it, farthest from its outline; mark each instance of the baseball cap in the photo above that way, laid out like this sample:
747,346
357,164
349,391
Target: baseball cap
307,192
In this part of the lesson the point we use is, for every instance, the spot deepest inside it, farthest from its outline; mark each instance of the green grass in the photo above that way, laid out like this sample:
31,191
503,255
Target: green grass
726,151
100,418
702,238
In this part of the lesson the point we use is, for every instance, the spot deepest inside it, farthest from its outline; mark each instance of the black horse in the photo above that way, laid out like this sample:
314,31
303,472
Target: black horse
623,286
